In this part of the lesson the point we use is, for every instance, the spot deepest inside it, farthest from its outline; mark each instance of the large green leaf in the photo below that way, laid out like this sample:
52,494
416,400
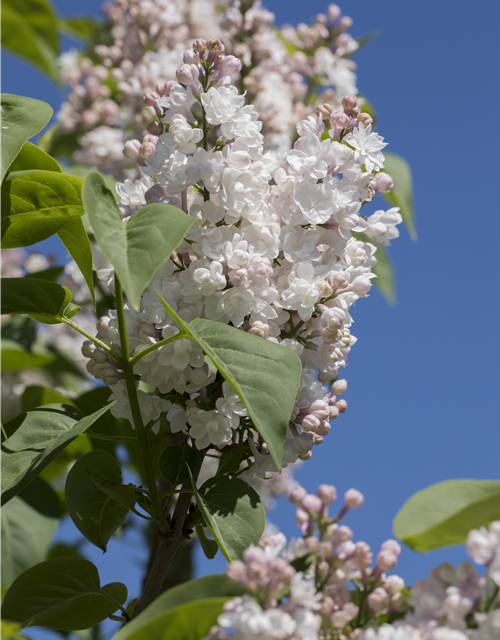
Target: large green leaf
233,512
75,239
26,536
152,619
94,513
138,248
32,158
80,27
176,460
45,301
402,194
62,593
444,513
265,375
37,204
15,358
21,118
35,438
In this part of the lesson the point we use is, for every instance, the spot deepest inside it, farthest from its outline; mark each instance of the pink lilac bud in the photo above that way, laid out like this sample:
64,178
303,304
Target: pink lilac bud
200,45
394,584
231,65
386,560
155,128
346,549
236,571
480,545
363,555
327,605
391,545
383,182
100,355
155,193
88,348
342,618
339,387
326,549
148,149
131,150
341,406
301,518
191,57
312,544
339,281
110,376
216,46
320,409
310,423
151,99
378,599
398,602
103,323
345,23
324,110
365,119
353,498
327,493
349,102
187,73
334,412
311,504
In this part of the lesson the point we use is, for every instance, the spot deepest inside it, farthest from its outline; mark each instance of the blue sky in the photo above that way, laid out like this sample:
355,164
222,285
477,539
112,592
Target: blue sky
422,377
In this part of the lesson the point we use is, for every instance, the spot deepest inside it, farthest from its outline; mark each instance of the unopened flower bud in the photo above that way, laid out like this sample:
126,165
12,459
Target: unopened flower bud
339,387
311,503
349,102
190,57
365,119
100,355
324,110
386,560
231,65
155,128
110,376
214,45
151,99
200,45
297,495
391,545
327,493
334,12
341,406
187,73
378,599
394,584
310,423
103,323
131,150
339,281
383,182
148,149
312,544
345,23
301,518
88,348
353,498
334,412
155,193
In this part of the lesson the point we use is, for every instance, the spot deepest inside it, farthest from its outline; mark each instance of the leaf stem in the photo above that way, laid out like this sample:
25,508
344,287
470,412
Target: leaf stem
101,436
157,345
135,408
3,431
95,340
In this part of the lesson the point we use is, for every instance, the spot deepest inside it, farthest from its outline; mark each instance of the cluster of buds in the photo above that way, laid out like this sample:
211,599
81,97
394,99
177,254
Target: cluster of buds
345,121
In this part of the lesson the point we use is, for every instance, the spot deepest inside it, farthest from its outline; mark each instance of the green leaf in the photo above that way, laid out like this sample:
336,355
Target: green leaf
80,27
37,204
45,301
75,239
136,249
174,462
233,512
52,273
402,194
151,622
15,358
83,171
230,462
32,158
21,118
62,593
191,621
265,375
26,536
209,547
34,396
94,513
125,494
35,438
444,513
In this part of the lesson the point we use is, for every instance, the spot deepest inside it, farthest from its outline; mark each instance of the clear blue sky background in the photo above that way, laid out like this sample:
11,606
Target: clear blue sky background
424,376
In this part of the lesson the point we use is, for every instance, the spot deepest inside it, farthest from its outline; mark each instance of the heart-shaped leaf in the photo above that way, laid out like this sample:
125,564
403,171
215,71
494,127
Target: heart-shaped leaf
94,513
37,204
138,248
175,460
233,512
444,513
265,375
21,118
45,301
35,438
32,158
402,194
151,621
62,593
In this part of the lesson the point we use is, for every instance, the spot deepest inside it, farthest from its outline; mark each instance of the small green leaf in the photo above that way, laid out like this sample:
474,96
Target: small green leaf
75,239
175,460
80,27
402,194
35,438
151,622
444,513
233,512
32,158
266,376
45,301
15,358
125,494
37,204
209,547
136,249
34,396
94,513
230,462
62,593
21,118
26,536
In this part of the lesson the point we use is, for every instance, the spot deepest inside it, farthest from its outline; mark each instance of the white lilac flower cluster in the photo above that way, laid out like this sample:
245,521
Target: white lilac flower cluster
323,586
272,251
286,73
